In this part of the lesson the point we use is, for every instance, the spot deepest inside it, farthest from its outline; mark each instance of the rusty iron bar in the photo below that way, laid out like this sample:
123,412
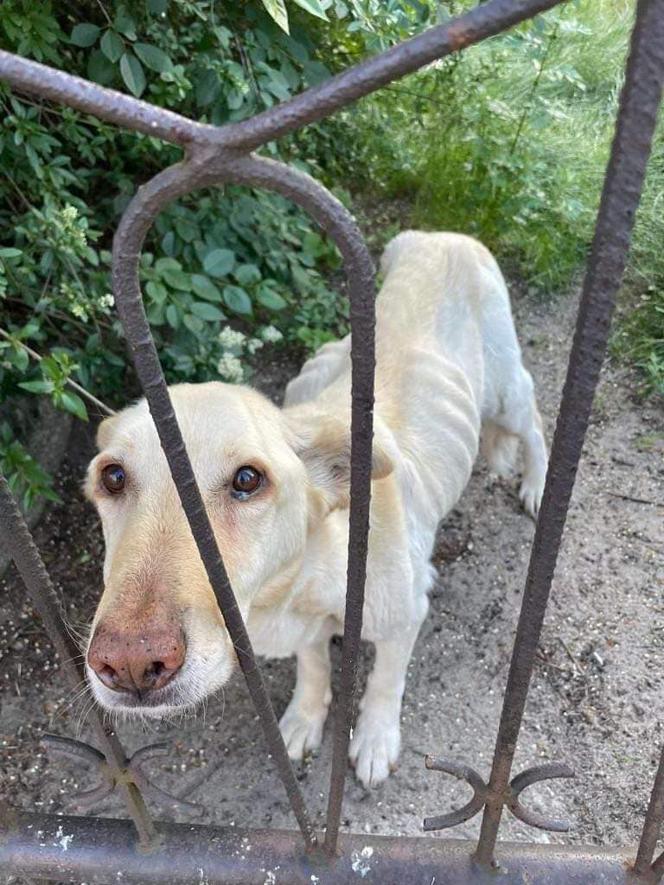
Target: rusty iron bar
623,183
485,20
132,772
204,168
526,779
512,797
471,808
33,572
97,849
652,824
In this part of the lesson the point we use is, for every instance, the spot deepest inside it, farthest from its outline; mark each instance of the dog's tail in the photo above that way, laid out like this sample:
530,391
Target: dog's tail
499,447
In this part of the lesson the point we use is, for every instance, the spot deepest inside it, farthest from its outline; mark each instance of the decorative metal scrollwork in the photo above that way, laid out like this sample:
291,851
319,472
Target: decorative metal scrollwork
132,773
511,799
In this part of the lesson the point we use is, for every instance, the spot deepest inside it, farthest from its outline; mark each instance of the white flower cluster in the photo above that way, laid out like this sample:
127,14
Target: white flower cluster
106,301
236,345
270,334
231,339
230,368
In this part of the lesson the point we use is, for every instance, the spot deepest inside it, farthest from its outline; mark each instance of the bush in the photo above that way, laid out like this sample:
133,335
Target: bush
223,270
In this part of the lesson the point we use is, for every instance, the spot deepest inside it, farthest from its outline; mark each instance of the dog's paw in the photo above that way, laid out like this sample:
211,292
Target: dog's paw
374,748
302,732
530,494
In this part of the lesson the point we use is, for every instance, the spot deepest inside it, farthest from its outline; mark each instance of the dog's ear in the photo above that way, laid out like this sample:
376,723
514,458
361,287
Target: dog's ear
322,442
105,431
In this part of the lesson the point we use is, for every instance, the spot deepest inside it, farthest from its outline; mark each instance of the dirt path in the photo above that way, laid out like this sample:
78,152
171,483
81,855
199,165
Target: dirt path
596,696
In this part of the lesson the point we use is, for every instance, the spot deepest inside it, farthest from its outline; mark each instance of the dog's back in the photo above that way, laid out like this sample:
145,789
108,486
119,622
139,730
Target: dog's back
448,365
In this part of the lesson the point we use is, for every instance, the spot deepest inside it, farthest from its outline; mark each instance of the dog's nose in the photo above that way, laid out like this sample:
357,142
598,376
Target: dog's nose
138,662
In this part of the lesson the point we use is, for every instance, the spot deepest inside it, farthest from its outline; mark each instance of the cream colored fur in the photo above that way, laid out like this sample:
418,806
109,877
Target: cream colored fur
448,366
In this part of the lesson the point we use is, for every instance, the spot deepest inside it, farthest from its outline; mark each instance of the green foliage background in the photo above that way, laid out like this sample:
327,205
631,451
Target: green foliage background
507,141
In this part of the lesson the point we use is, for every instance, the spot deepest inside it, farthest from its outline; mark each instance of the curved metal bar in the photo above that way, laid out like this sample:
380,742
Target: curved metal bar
31,567
532,776
635,126
204,168
130,775
73,749
485,20
470,809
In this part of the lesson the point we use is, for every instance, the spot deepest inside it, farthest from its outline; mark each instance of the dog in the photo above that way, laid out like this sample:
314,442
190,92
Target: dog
276,487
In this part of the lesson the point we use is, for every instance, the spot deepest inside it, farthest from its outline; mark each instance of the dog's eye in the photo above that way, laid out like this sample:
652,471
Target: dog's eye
246,480
113,478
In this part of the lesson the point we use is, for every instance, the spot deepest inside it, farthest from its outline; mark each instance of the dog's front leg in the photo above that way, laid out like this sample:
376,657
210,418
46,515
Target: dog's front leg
374,748
302,723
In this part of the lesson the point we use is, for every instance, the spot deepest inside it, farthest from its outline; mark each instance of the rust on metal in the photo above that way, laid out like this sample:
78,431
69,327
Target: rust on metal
470,809
652,825
635,125
42,592
98,849
511,797
110,778
533,776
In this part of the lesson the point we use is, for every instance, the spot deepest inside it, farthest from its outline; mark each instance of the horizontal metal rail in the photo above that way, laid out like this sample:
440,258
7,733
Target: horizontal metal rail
94,850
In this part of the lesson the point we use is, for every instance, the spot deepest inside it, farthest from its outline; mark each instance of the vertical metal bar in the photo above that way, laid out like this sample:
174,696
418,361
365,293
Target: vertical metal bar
622,189
340,226
33,572
135,222
653,822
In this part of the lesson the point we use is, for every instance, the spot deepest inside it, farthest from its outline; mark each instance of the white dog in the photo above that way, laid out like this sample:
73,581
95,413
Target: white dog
276,482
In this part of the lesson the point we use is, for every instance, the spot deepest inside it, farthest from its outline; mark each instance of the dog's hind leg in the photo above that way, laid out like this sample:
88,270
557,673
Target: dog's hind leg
302,723
520,417
374,748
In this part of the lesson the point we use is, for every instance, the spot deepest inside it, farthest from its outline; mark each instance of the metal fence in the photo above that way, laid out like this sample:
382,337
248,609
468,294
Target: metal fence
143,850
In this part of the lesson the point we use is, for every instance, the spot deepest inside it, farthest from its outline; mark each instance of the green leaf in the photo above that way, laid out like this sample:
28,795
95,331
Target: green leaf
9,252
99,68
315,72
246,274
219,262
73,403
314,7
193,323
164,264
271,299
157,7
178,279
157,292
205,288
153,57
208,88
207,312
186,229
132,73
236,299
126,25
277,9
112,46
84,35
173,316
37,386
168,243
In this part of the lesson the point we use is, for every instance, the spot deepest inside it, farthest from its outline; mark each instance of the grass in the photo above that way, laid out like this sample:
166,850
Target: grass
509,142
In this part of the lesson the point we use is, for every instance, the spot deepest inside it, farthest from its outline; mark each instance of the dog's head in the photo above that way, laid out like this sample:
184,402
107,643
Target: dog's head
158,641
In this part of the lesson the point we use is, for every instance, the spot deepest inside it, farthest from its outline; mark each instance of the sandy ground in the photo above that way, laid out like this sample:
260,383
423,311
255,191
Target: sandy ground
596,695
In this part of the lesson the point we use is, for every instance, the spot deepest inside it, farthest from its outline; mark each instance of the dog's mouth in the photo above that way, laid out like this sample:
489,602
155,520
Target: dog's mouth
156,703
